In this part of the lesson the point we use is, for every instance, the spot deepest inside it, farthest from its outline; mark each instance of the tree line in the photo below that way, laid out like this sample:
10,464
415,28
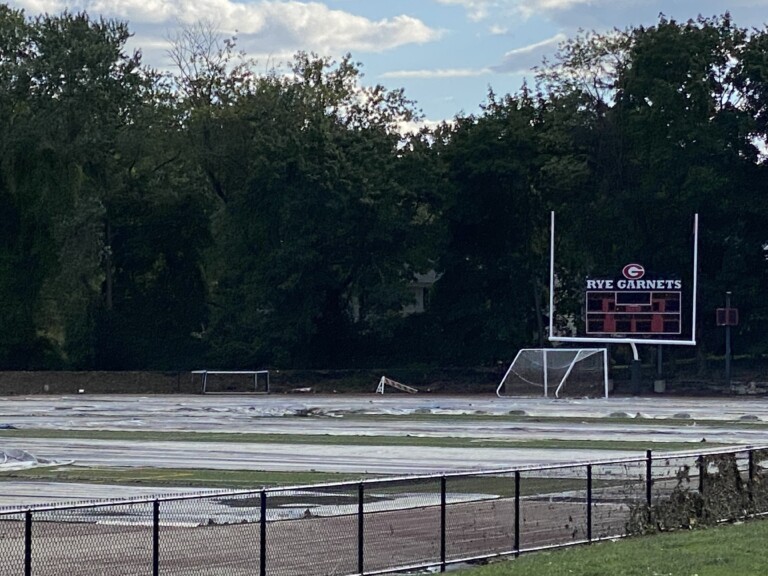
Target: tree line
223,217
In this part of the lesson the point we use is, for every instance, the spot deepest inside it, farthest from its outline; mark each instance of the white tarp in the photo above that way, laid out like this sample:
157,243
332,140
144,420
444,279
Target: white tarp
16,459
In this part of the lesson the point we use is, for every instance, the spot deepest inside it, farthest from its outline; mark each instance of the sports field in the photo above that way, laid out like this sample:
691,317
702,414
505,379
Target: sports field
368,434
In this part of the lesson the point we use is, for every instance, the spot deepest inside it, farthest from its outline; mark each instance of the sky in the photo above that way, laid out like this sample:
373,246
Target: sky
445,54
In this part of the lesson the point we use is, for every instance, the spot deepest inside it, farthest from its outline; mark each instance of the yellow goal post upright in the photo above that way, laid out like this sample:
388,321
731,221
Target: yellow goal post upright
232,381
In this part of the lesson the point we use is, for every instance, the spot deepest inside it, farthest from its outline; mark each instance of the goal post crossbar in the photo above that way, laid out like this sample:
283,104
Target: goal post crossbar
203,374
566,368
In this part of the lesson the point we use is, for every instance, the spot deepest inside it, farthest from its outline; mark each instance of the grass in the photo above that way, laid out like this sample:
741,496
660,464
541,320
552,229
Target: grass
177,477
726,550
514,416
349,440
253,480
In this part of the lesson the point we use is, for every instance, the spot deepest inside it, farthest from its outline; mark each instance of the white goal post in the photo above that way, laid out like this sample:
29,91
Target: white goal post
553,371
233,381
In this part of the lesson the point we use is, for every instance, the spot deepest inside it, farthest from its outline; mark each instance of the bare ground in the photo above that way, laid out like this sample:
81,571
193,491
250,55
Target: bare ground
306,546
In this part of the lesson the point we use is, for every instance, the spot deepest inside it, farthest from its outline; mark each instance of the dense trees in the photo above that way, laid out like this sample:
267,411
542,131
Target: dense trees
223,217
492,270
68,90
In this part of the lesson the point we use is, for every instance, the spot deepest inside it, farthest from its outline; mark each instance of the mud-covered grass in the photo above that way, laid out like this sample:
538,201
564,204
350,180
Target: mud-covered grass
501,486
351,440
192,478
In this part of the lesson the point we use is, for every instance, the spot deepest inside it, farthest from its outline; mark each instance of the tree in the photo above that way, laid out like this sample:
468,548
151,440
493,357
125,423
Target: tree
316,233
90,187
158,228
65,81
489,294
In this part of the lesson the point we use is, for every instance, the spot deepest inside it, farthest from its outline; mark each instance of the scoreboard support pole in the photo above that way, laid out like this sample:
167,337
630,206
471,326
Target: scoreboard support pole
635,370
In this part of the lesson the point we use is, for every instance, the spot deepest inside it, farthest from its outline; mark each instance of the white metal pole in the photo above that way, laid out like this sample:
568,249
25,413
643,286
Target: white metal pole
605,370
501,384
565,376
695,273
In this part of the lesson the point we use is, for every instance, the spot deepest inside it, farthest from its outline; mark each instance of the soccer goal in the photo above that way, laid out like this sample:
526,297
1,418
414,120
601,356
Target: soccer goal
558,372
384,382
232,381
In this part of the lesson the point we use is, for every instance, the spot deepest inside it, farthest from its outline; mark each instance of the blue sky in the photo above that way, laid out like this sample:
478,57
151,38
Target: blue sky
444,53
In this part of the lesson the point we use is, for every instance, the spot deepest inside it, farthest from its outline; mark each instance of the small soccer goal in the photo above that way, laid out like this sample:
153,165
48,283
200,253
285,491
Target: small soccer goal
232,381
557,372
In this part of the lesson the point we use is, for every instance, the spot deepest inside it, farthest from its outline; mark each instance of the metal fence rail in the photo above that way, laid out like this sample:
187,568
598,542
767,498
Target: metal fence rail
385,525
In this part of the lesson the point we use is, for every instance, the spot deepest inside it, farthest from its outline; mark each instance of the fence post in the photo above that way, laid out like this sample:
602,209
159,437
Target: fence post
360,527
263,534
649,483
28,543
751,480
589,503
517,514
702,471
155,537
442,522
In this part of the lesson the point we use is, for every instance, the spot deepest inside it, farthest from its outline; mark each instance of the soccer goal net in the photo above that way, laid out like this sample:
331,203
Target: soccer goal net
557,372
232,381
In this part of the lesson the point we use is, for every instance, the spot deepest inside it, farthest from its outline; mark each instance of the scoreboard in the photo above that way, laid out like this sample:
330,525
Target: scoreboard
633,312
633,305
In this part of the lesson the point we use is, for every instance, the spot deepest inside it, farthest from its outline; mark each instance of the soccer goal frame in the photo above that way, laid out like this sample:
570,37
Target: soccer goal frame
579,354
203,375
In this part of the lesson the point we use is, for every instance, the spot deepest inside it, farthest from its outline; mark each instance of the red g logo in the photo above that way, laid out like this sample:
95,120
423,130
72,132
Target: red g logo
633,271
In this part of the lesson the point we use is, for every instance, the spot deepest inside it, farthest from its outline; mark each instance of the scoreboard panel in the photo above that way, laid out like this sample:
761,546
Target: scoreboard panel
633,312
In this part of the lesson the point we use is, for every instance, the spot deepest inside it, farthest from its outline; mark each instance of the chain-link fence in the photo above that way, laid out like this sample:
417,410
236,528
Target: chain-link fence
386,525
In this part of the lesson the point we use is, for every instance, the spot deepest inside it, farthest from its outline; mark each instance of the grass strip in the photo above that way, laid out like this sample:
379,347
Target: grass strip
514,417
350,440
176,477
501,485
727,550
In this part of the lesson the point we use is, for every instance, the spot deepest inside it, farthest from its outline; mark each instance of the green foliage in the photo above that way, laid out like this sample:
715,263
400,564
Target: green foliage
491,264
65,84
316,235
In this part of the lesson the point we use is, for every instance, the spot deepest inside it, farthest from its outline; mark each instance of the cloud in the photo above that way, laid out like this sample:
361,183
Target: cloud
478,10
562,4
35,7
525,58
267,26
438,73
606,14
